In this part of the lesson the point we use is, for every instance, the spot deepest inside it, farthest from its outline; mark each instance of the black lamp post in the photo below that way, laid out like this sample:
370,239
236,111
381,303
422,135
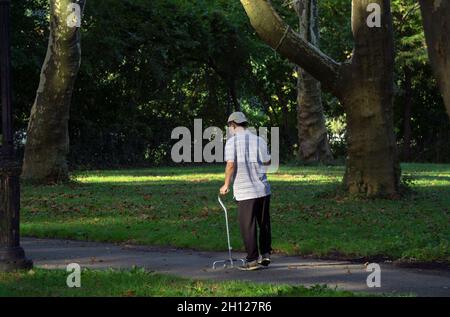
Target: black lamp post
12,256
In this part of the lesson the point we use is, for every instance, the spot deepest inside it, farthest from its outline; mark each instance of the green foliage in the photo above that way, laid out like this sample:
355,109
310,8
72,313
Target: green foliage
410,37
149,66
430,125
160,67
29,42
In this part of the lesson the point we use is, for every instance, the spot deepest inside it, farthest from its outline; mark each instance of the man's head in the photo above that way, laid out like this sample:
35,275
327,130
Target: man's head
237,120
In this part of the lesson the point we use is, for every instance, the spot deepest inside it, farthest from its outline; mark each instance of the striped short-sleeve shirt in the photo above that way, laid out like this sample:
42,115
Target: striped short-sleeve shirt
249,152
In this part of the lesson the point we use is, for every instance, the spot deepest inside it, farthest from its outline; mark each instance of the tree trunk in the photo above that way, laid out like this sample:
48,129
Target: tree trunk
363,84
436,22
372,166
284,121
233,94
312,132
407,131
47,143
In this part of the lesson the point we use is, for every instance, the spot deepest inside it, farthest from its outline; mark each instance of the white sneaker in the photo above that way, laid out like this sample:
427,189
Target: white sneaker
264,260
250,266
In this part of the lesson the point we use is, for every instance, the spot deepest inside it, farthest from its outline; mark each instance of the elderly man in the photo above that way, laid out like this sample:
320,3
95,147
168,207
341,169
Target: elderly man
246,156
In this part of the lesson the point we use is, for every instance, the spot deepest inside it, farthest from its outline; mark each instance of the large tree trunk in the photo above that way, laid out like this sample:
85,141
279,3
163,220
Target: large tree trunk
372,164
436,22
312,132
47,143
364,85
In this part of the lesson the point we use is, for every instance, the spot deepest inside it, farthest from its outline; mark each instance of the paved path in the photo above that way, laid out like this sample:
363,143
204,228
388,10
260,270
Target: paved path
48,253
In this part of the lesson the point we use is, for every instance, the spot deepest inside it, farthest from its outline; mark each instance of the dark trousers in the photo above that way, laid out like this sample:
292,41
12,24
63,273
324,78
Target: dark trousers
255,212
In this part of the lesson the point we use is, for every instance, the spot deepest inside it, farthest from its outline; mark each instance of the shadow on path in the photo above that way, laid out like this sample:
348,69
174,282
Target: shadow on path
48,253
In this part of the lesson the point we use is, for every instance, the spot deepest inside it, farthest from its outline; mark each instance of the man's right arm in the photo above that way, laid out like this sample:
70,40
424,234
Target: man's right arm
230,168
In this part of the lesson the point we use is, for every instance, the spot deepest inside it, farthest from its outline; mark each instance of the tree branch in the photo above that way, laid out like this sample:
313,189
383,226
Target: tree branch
277,34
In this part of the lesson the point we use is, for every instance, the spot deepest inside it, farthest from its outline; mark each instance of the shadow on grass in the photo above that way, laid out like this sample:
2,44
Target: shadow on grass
184,212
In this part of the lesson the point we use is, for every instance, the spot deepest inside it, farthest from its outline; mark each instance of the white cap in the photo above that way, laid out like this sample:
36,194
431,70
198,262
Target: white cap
237,117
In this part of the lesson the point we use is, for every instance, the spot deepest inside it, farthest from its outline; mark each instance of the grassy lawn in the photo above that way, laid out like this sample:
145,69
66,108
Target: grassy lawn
140,283
178,207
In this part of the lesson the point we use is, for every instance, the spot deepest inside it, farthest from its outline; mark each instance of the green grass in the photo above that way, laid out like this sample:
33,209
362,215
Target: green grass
141,283
178,207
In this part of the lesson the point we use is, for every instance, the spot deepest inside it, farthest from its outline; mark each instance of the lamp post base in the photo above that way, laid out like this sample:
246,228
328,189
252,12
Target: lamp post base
13,259
12,255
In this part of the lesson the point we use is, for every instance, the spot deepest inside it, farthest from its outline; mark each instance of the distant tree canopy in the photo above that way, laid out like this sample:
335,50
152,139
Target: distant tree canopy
149,66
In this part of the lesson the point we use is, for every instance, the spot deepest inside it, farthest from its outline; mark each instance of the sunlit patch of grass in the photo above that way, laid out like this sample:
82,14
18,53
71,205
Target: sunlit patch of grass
138,282
178,207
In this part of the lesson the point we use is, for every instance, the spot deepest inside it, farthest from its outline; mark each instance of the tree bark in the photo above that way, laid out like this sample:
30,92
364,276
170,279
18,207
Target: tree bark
363,84
47,145
277,34
436,22
312,132
233,94
372,164
407,131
